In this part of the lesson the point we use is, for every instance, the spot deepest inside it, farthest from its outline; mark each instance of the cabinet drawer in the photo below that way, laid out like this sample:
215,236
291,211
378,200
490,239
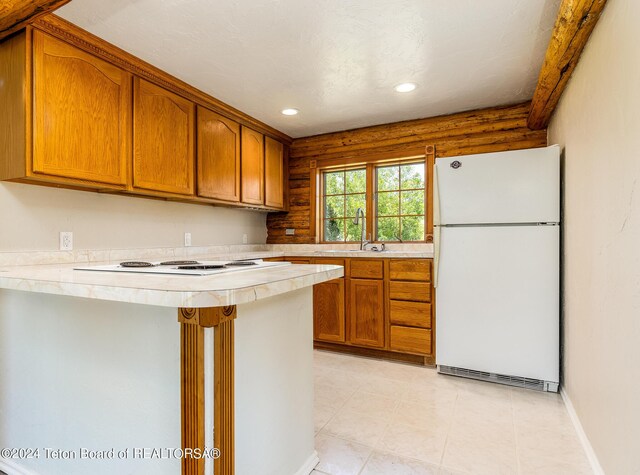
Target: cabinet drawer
414,291
366,269
297,260
328,261
415,314
412,340
410,269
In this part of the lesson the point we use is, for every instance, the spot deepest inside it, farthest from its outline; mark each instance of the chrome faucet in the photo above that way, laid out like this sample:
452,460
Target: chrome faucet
356,221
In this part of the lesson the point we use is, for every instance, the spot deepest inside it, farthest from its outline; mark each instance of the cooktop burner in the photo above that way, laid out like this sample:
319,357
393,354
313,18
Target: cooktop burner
136,264
179,263
185,267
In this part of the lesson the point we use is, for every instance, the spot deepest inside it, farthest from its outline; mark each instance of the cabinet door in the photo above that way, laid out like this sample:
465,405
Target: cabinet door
82,114
163,140
328,311
218,156
273,173
252,167
366,312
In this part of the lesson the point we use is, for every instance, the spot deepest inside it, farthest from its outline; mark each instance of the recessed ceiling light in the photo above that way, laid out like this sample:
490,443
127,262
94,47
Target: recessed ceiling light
405,87
290,111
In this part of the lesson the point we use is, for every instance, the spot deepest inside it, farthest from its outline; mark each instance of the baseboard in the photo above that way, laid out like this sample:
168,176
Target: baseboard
10,467
309,464
584,440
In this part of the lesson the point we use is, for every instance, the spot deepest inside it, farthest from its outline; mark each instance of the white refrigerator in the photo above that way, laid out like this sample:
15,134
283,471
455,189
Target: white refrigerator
496,266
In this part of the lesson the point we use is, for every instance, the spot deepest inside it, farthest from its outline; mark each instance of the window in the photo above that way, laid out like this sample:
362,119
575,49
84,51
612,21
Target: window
392,196
344,192
400,210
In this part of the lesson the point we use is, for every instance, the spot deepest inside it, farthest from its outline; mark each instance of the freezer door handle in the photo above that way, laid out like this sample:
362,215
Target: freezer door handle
436,226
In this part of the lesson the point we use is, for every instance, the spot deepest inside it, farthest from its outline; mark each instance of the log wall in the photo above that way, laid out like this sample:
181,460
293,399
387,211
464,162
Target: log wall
480,131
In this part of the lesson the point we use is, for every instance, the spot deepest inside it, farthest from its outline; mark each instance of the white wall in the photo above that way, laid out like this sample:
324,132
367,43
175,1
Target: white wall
31,218
598,123
274,385
81,373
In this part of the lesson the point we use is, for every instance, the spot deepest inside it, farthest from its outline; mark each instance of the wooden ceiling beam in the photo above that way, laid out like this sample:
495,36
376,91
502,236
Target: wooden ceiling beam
576,20
16,14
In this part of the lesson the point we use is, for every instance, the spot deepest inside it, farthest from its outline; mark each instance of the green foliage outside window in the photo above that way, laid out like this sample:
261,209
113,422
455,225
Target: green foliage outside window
400,209
344,193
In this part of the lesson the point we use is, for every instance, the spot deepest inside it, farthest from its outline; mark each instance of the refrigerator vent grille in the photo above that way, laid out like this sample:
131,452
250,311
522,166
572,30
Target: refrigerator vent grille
516,381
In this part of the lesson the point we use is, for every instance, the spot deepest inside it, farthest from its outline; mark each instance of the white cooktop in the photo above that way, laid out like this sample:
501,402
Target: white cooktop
191,267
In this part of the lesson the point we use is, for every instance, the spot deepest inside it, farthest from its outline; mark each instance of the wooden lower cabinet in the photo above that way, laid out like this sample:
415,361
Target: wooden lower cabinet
366,312
413,340
328,311
382,307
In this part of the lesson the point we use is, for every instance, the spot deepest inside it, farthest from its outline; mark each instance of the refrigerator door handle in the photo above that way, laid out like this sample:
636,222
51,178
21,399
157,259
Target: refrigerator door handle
436,226
436,255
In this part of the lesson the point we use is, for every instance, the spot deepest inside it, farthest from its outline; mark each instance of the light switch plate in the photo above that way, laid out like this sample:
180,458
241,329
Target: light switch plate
187,239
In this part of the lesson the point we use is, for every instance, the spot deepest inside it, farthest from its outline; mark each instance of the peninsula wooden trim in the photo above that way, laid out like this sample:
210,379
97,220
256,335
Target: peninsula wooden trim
193,322
84,40
576,20
224,398
192,395
207,317
16,14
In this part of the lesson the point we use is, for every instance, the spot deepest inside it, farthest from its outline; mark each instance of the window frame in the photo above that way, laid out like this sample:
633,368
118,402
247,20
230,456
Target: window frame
323,197
399,190
319,166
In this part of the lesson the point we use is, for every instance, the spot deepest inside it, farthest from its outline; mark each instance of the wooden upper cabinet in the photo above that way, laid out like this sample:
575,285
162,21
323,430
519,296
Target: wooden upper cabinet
218,156
163,140
273,173
252,166
82,114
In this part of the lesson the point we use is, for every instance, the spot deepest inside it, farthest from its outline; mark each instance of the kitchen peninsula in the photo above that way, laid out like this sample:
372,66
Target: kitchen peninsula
220,361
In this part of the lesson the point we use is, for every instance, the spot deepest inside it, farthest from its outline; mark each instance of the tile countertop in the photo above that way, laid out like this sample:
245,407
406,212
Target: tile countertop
52,272
394,250
165,290
354,253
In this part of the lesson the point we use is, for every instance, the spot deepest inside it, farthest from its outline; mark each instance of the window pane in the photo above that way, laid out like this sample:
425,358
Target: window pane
356,181
333,183
353,231
388,229
413,202
388,178
334,230
388,203
412,175
354,202
334,206
413,228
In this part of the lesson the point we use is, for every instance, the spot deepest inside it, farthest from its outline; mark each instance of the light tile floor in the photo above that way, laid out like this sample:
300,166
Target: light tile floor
381,418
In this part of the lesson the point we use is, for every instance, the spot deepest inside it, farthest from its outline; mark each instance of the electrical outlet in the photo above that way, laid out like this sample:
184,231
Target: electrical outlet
245,239
290,232
187,239
66,241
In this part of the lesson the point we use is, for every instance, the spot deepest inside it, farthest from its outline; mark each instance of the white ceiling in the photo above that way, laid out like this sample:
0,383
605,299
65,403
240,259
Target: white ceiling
335,60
